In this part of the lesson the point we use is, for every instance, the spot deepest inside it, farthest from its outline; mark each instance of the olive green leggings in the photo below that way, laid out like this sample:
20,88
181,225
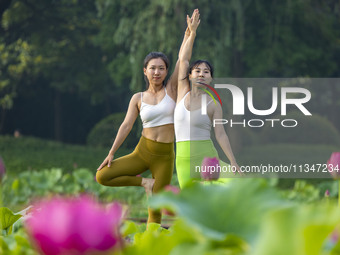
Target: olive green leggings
156,156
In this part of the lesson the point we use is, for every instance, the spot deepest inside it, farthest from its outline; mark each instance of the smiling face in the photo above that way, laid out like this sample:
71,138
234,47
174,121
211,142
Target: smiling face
200,74
156,71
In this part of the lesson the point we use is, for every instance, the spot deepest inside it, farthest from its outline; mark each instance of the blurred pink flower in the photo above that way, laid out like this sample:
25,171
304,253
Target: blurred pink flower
327,193
334,237
2,169
74,226
210,169
175,190
334,165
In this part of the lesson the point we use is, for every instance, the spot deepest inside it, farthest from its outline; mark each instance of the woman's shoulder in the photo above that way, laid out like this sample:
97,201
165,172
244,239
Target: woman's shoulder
214,107
136,98
137,95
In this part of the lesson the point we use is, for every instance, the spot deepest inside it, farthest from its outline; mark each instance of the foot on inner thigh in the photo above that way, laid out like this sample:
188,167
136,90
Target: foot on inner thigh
148,183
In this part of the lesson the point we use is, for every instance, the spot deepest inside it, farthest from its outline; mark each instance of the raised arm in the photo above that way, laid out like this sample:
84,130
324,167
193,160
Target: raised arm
173,80
185,56
123,130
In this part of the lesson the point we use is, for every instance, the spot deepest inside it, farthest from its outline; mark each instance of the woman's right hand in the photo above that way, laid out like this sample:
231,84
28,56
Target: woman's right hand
107,161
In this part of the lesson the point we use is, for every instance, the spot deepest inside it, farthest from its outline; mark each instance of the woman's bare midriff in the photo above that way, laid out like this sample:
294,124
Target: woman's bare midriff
163,134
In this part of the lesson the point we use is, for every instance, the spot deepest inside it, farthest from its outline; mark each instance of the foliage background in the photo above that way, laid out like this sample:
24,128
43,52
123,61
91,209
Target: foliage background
65,65
70,66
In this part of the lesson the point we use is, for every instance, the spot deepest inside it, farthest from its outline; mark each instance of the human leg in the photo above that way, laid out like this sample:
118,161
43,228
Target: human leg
182,170
183,163
189,157
158,157
123,170
161,169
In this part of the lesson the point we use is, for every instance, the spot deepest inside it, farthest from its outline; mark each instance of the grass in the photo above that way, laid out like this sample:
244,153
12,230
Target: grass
29,153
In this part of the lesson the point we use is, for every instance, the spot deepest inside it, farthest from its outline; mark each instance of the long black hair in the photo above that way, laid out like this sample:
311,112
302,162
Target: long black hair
153,55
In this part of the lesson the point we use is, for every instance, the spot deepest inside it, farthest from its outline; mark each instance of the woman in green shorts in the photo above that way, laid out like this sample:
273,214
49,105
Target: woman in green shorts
155,150
192,128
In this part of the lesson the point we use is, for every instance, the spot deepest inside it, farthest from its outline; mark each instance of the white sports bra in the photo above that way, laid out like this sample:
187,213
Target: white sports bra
158,114
191,125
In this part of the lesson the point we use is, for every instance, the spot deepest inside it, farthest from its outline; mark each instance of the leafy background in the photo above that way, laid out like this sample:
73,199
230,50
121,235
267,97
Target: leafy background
65,65
69,68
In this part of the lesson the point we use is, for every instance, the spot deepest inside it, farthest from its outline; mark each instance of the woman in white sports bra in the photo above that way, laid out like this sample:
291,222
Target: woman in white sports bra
192,128
155,150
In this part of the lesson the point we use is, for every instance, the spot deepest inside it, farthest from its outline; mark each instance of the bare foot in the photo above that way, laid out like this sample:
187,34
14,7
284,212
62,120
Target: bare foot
148,183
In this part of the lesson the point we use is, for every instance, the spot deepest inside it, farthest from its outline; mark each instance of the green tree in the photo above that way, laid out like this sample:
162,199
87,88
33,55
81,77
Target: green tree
15,60
94,50
60,35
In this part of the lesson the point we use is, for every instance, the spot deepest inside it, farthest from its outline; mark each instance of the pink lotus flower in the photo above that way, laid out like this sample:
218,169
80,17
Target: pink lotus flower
74,226
175,190
327,193
334,165
210,169
2,169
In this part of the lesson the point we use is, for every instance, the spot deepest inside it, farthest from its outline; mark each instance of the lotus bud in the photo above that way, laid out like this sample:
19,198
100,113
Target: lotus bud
210,169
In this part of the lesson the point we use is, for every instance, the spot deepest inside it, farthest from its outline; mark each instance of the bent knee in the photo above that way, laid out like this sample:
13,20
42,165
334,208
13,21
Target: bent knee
100,177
